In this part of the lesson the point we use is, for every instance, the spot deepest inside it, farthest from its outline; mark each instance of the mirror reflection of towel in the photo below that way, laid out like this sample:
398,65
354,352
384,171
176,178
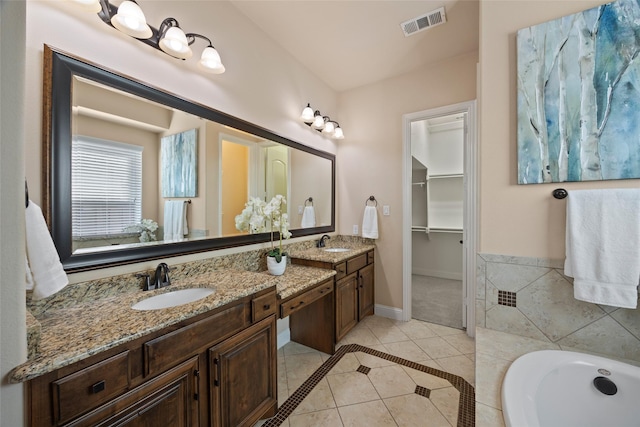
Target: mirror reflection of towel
44,272
370,223
308,217
175,219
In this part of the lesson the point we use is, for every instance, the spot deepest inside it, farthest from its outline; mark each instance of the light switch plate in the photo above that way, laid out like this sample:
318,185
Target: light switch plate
355,229
300,209
385,210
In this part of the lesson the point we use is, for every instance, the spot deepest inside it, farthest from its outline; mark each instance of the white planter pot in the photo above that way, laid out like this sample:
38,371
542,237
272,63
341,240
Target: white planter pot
276,268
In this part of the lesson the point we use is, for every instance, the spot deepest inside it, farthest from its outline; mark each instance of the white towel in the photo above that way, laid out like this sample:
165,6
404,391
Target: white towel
175,219
44,272
308,217
370,223
603,246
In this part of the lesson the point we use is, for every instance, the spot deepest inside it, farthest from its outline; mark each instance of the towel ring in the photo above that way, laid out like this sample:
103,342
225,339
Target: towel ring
370,199
310,200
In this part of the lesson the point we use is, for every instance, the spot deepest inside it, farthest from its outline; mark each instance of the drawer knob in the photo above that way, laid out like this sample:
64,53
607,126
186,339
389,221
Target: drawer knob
266,306
98,387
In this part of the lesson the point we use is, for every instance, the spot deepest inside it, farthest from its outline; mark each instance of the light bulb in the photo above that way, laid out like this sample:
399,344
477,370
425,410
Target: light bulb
337,134
329,127
130,20
210,61
318,120
175,43
307,115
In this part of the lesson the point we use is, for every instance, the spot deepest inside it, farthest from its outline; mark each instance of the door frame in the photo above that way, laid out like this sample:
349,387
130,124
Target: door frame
470,226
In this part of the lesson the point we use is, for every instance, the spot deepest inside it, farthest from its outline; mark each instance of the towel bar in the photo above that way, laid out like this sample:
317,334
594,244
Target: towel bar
560,193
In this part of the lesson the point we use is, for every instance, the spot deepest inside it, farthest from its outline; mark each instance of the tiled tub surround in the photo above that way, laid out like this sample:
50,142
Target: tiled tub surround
526,304
87,318
532,298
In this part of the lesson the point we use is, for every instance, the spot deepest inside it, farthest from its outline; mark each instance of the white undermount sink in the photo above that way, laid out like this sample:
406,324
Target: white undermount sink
337,250
172,299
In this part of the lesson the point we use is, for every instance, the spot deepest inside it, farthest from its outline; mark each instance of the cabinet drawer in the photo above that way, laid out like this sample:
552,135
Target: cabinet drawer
355,264
341,270
263,306
301,301
370,257
90,387
165,351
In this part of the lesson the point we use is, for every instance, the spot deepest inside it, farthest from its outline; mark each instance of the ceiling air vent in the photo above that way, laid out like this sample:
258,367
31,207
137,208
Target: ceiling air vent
424,22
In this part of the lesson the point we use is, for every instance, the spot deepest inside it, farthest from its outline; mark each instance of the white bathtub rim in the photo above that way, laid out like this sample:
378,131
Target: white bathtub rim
523,384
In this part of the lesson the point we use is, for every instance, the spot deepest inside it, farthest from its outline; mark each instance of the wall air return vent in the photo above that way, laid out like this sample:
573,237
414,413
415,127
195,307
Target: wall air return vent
424,22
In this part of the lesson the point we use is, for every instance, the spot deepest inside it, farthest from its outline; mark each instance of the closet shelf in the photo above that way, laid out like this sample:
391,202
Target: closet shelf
423,229
444,176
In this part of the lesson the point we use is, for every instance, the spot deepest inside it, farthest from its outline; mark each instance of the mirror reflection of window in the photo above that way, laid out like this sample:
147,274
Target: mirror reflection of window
106,191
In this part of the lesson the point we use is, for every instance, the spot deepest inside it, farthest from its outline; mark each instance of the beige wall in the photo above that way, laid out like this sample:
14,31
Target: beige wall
522,220
370,157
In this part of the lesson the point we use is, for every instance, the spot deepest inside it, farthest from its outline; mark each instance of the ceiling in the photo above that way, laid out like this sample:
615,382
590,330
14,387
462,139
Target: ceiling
351,43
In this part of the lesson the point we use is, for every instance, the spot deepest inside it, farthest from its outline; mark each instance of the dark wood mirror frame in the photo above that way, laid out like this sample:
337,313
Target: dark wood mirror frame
59,70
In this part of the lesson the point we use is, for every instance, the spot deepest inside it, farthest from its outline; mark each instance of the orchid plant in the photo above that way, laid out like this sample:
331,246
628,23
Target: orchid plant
257,213
147,229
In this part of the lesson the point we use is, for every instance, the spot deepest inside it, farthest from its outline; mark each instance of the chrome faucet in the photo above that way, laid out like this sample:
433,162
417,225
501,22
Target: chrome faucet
160,280
162,276
320,243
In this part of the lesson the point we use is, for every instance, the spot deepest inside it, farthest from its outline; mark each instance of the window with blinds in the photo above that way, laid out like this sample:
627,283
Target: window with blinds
106,187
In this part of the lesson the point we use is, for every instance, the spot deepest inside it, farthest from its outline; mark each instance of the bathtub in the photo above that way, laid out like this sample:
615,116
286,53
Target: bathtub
554,388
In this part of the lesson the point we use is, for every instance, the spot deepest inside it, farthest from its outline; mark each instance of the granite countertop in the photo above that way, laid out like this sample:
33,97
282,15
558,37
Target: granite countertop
70,334
297,278
320,254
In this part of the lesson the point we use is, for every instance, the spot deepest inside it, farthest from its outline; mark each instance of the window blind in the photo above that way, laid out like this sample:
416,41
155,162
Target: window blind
106,186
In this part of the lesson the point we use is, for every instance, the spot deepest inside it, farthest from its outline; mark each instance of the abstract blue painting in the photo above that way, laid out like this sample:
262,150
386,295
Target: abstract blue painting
579,96
179,159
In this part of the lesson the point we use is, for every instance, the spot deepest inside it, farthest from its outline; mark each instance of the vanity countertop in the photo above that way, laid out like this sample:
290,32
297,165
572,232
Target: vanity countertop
298,278
321,254
71,334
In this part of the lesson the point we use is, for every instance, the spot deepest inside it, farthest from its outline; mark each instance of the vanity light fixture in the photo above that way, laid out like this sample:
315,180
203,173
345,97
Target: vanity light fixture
324,124
169,38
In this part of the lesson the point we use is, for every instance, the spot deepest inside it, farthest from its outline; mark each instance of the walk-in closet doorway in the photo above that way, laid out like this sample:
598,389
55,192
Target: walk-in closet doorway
439,221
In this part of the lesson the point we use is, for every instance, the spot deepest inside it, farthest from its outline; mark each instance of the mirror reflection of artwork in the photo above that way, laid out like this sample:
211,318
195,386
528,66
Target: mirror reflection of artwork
179,159
579,96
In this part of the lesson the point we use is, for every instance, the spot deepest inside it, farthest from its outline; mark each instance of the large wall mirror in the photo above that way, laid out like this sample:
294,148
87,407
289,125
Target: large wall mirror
122,158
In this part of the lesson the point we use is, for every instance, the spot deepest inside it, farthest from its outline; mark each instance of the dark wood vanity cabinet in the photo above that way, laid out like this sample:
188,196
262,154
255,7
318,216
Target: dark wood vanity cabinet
217,369
354,289
243,376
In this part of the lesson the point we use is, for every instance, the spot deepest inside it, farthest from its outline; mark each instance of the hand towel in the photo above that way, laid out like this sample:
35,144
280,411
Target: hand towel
370,223
43,263
175,219
308,217
603,246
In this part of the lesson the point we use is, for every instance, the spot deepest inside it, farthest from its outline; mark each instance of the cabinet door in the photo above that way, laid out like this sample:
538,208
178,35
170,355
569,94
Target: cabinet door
365,291
243,376
169,400
346,305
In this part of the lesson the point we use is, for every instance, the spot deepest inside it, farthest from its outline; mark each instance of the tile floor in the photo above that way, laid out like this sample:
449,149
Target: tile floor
387,393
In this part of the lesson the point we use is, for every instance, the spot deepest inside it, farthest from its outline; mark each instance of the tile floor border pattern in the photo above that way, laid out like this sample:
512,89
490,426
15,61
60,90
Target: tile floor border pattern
466,404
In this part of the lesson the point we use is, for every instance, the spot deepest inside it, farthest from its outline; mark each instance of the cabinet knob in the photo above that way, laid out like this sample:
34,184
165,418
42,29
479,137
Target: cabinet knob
266,306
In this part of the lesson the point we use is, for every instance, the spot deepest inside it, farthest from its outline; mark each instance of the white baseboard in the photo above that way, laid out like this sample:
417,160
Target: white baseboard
388,312
436,273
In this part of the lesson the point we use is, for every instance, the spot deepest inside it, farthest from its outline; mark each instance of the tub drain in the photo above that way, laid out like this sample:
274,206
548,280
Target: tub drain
605,386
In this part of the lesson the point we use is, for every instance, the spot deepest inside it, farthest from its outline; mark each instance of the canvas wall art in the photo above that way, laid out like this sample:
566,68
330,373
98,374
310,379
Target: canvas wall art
578,80
179,160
